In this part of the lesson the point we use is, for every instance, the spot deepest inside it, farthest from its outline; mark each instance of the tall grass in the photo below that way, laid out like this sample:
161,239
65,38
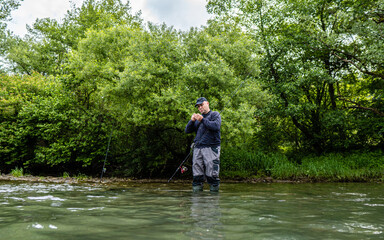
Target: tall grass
284,169
243,164
362,166
324,168
344,167
17,172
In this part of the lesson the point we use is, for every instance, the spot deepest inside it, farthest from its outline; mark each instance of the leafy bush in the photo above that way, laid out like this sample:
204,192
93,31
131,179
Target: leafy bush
17,172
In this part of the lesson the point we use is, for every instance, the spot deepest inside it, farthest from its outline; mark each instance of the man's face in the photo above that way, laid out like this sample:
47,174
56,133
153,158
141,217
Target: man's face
204,107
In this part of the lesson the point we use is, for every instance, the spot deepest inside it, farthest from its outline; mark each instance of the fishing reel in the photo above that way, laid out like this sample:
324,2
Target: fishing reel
183,169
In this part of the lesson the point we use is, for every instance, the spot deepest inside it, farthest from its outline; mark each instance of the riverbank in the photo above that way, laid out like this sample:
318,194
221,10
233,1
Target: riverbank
122,181
72,180
76,180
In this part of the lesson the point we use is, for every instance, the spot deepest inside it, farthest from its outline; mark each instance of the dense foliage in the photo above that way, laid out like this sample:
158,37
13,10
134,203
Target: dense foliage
323,63
297,84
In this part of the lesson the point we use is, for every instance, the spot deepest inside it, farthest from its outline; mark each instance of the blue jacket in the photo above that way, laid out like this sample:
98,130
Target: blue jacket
207,131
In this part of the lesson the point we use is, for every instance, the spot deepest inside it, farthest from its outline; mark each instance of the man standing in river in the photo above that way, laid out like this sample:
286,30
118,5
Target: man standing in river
206,151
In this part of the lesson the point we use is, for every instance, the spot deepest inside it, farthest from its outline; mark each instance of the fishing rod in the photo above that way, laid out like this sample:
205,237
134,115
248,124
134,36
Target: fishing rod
181,167
106,156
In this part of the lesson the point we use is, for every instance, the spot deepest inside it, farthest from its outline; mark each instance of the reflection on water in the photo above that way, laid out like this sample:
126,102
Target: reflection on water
206,214
172,211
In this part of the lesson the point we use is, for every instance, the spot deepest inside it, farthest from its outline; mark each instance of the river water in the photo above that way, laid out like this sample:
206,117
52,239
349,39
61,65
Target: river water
172,211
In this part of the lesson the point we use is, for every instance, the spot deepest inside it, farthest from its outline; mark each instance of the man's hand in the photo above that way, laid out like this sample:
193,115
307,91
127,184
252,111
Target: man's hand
198,117
193,118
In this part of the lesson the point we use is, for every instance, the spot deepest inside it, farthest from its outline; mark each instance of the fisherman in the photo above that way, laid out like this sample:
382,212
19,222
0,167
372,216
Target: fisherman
206,152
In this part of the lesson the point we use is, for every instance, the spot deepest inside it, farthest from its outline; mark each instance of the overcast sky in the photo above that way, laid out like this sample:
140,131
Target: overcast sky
182,14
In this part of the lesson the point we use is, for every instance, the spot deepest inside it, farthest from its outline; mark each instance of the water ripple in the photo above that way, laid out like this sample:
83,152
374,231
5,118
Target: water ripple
44,198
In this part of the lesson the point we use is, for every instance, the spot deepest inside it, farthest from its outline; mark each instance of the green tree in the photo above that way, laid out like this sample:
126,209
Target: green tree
111,74
313,52
6,7
48,41
150,79
223,67
42,125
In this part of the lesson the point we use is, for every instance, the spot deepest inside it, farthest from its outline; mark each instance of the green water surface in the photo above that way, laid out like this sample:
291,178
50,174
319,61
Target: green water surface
172,211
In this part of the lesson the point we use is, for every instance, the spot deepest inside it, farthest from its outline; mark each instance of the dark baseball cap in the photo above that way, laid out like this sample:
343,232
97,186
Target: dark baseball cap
200,101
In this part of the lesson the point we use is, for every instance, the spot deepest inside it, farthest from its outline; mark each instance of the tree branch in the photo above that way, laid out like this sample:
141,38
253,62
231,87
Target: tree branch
358,106
358,67
351,56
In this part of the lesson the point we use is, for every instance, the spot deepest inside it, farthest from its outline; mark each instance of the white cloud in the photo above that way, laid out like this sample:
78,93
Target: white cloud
30,10
182,14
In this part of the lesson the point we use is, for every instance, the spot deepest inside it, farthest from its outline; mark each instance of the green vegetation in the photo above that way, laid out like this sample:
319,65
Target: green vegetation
81,177
329,167
17,172
311,106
